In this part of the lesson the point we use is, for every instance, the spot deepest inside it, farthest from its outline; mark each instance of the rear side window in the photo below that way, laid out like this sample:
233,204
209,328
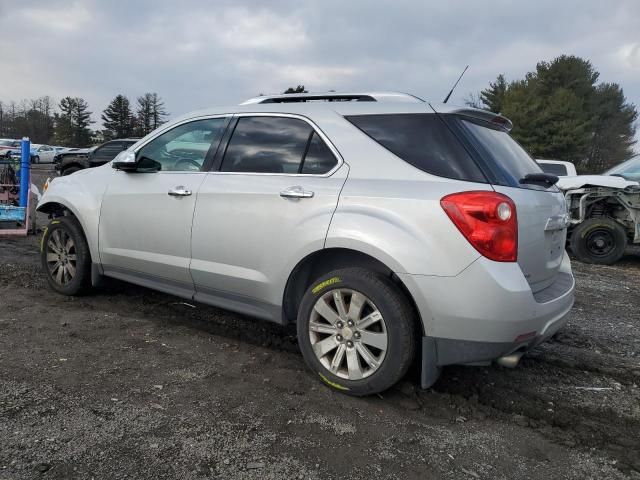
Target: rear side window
266,145
269,144
424,141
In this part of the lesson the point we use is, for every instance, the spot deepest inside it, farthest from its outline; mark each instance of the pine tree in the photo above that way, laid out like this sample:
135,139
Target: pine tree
298,89
81,122
493,97
64,122
559,111
117,118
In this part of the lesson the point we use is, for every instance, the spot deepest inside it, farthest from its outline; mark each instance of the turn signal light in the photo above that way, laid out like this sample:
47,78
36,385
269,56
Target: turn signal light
487,220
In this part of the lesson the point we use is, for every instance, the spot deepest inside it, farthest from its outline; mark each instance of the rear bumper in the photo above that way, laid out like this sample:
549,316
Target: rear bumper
487,311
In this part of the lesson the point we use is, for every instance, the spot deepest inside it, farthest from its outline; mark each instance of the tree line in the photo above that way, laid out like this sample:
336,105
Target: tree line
69,122
560,111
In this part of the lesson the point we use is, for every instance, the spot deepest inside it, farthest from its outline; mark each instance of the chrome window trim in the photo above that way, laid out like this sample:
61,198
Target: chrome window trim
316,129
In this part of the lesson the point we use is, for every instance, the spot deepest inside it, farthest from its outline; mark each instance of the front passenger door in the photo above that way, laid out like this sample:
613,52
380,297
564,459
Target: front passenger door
146,215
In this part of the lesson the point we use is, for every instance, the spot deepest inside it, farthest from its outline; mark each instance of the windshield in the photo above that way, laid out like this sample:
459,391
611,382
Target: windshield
629,170
9,143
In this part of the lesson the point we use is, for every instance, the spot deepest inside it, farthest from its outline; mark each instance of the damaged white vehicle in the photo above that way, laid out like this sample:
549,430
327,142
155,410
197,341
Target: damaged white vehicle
604,212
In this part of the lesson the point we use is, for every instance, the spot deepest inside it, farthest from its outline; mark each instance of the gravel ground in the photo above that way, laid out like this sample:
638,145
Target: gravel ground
130,383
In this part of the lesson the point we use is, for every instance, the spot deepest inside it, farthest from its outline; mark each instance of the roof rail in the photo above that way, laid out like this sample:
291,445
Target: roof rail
335,97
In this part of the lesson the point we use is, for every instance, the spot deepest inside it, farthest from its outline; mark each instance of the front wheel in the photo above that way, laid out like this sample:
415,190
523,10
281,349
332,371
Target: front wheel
65,256
598,240
356,331
36,159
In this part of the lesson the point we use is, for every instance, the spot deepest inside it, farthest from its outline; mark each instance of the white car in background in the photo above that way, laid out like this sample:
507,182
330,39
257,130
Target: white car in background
42,153
557,167
604,211
39,153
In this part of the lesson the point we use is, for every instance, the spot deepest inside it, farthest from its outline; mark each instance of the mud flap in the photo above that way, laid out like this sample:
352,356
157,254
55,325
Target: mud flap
97,279
430,371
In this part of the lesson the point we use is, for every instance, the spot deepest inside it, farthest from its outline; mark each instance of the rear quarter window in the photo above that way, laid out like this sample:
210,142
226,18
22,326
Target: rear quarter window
422,140
504,159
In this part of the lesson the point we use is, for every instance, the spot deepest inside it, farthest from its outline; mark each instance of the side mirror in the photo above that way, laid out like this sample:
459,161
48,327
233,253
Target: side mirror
125,161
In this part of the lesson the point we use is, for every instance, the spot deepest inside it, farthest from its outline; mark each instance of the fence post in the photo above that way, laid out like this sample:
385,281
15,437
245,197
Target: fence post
25,164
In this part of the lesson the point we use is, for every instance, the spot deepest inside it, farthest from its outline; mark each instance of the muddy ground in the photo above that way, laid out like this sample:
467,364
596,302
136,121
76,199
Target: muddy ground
129,383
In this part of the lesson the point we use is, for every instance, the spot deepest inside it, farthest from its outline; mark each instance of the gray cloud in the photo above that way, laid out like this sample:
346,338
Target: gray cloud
198,53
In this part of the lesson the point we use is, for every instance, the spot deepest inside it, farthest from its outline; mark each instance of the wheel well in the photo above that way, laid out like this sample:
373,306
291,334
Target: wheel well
323,261
71,165
54,210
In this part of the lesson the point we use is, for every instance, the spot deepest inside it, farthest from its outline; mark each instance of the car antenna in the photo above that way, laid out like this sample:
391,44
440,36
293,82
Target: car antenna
455,84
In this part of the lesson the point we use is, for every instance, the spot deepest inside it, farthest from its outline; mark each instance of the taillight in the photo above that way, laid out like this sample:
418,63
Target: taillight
487,220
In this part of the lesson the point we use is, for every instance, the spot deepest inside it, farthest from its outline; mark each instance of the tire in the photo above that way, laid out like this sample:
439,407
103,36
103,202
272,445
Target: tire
598,240
398,322
74,276
36,159
69,171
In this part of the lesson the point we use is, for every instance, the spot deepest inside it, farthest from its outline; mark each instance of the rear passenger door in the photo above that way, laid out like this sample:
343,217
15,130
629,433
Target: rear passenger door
268,204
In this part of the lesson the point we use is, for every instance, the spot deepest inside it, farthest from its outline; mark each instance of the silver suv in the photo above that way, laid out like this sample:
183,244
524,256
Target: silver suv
387,228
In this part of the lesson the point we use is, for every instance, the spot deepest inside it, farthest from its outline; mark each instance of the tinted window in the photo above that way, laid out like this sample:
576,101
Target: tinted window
267,145
424,141
108,151
185,147
554,169
508,161
319,158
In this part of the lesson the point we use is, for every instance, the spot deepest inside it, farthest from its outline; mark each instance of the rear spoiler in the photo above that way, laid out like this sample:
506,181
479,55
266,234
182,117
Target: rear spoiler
484,115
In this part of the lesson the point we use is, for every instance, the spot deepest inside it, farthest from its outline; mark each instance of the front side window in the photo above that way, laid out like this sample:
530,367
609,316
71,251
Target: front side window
183,148
284,145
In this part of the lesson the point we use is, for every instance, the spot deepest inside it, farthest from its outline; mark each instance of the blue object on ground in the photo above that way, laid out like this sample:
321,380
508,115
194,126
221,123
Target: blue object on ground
11,213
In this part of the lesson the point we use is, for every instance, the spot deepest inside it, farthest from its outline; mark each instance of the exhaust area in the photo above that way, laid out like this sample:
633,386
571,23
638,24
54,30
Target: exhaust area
510,361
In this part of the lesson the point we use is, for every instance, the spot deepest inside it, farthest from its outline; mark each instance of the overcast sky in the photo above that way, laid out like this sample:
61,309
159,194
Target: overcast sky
203,53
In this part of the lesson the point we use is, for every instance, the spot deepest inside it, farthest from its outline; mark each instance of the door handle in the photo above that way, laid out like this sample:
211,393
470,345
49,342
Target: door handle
296,192
179,191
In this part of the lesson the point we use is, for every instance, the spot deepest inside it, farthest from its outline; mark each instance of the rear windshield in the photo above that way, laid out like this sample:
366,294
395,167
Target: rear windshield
554,169
424,141
506,160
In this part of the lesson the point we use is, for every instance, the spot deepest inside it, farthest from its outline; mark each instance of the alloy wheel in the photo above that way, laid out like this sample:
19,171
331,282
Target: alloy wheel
348,334
61,257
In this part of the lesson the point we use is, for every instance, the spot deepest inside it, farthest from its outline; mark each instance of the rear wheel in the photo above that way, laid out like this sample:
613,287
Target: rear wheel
598,240
356,330
65,256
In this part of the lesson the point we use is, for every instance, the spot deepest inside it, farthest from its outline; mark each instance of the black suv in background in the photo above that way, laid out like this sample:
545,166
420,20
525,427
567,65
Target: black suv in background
77,160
